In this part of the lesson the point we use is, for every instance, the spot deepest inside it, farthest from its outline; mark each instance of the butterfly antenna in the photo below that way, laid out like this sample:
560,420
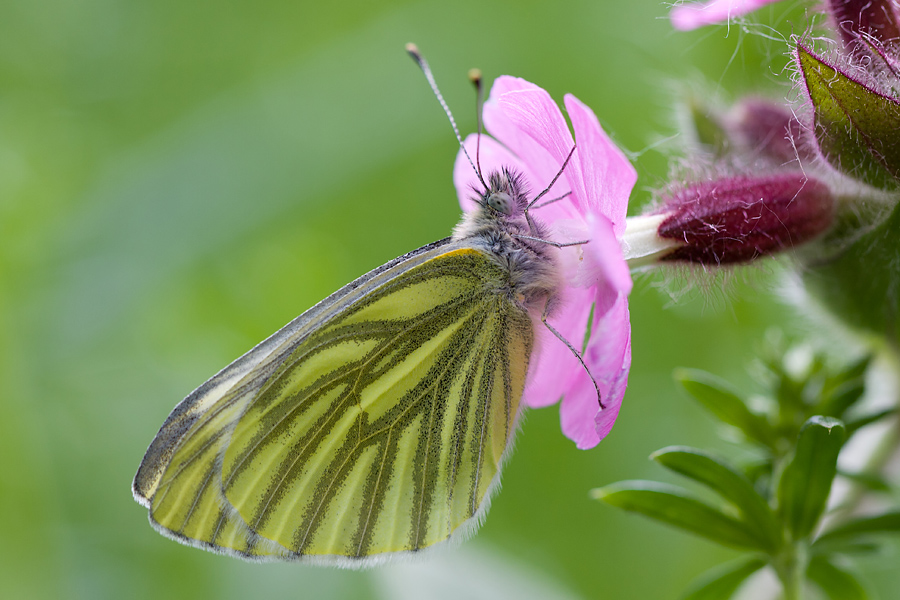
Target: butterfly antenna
413,51
475,78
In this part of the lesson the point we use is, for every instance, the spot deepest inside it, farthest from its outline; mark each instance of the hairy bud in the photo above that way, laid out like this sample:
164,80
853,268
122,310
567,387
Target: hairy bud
737,219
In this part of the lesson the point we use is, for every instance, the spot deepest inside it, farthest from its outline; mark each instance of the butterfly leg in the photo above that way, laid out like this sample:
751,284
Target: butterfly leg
547,189
557,244
577,354
551,201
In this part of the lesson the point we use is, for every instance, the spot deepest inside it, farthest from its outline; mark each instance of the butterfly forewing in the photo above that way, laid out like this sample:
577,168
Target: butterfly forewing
189,503
380,429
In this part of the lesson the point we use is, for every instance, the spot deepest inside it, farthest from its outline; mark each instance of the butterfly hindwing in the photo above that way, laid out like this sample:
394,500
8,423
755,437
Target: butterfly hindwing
374,423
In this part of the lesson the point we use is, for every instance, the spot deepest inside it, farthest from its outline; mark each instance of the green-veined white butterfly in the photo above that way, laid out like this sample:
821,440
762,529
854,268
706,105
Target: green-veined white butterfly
376,422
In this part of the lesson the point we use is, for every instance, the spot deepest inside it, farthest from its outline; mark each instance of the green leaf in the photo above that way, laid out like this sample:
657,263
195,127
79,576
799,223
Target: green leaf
857,546
717,397
888,522
707,129
837,583
673,505
856,284
856,127
729,483
855,425
854,371
842,398
873,482
806,480
760,474
721,582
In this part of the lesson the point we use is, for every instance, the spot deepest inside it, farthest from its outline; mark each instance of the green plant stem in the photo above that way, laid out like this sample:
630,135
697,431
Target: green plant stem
790,566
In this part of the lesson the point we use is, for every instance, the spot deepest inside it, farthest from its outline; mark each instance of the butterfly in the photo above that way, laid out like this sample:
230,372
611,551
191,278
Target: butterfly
377,422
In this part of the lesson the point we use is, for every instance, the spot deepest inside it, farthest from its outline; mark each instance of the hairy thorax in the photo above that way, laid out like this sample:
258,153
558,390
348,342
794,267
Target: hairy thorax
498,227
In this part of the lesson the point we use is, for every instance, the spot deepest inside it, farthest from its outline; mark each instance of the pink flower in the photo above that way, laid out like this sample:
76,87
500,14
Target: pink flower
531,136
692,16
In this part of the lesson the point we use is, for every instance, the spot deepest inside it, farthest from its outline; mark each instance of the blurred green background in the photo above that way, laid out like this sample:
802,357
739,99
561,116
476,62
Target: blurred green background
179,179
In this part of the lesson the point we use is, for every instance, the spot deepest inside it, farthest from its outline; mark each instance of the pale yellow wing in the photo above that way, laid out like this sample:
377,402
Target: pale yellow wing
374,423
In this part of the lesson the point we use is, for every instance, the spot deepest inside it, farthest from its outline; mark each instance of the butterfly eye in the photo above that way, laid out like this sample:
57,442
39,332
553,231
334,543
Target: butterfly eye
501,202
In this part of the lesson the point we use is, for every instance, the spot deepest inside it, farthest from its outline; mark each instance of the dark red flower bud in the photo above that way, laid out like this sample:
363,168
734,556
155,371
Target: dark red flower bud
738,219
875,18
767,128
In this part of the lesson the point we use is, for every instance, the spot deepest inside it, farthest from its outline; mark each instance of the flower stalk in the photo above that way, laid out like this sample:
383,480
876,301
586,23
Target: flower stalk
642,246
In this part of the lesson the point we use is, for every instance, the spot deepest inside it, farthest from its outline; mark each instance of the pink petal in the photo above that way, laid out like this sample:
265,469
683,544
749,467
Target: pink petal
533,111
554,367
692,16
499,125
606,418
608,175
608,356
601,277
533,122
541,163
603,259
577,413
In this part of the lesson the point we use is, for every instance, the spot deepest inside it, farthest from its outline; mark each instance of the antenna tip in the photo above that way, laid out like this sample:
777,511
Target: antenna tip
475,76
413,51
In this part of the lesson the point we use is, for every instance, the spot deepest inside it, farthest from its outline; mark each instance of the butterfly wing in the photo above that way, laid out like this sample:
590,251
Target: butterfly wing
375,423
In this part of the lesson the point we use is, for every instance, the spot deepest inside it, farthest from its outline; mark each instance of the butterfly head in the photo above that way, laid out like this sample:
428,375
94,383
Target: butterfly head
506,194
